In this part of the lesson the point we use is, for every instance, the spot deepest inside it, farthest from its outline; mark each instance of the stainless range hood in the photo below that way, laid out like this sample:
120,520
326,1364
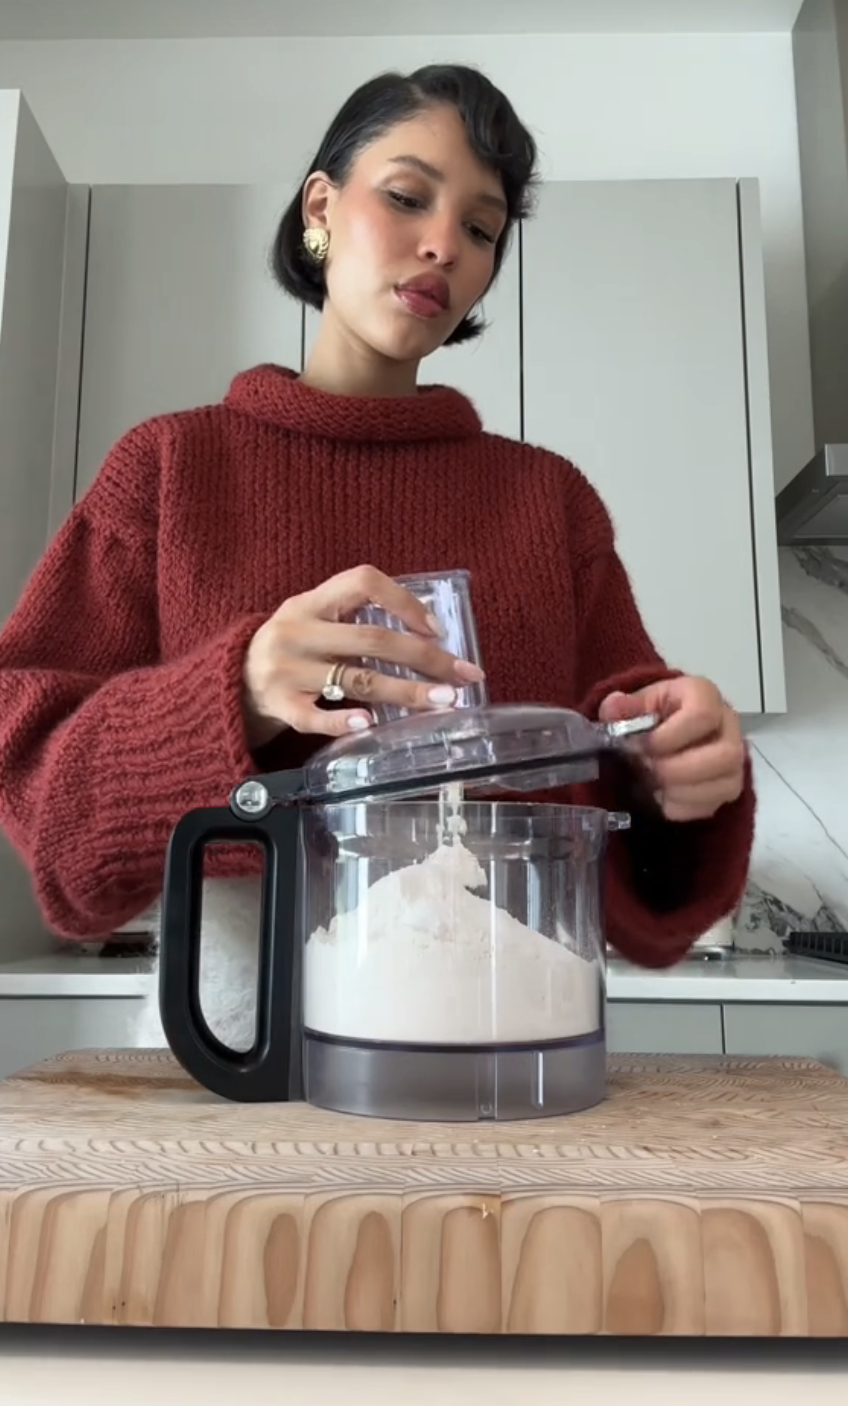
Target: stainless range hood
813,508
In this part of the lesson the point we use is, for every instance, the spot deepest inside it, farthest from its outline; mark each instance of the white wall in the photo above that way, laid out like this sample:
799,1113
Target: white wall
252,110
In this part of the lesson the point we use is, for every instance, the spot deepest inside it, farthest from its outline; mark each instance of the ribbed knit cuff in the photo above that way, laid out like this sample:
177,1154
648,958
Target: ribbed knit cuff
629,681
667,881
142,750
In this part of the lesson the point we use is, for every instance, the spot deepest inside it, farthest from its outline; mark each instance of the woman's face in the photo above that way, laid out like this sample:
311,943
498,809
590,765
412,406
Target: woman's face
412,236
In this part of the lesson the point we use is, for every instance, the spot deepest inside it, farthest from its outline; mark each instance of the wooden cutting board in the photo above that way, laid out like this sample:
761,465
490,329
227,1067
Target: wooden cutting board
705,1196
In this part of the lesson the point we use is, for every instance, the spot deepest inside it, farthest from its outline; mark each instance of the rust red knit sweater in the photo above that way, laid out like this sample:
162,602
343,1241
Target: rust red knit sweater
120,670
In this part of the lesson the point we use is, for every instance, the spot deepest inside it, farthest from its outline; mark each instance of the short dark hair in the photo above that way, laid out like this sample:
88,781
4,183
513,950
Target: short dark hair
495,135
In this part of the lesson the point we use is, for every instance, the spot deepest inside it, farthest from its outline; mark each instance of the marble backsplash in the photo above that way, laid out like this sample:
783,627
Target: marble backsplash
799,870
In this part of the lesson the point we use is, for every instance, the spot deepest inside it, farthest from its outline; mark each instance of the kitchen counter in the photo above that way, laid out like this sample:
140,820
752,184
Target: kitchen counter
98,1368
71,974
739,978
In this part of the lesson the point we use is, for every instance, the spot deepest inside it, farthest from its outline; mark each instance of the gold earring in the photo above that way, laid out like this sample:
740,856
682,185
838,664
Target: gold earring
316,242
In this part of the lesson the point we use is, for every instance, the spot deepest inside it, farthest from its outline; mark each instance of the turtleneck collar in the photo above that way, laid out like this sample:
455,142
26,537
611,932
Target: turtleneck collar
275,393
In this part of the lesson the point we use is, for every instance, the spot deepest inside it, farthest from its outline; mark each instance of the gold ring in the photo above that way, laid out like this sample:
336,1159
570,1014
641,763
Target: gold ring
332,690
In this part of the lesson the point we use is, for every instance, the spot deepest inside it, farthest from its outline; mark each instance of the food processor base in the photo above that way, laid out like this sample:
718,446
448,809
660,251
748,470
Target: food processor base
455,1085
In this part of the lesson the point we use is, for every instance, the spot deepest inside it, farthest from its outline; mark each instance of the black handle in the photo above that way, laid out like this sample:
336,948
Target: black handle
267,1072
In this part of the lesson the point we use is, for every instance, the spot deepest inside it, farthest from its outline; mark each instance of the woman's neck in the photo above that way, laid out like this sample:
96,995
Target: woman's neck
340,365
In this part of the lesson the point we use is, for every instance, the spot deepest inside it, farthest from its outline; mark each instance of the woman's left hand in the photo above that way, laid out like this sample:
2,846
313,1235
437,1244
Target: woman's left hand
694,761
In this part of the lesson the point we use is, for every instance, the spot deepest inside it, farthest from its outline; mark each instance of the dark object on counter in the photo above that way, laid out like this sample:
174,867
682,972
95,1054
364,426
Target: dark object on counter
712,952
830,946
142,946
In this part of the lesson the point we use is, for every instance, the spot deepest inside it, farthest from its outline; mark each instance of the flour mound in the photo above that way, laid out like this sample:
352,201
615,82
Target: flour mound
425,960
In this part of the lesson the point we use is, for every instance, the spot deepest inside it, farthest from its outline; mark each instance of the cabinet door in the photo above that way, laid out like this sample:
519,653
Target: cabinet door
812,1032
34,1028
663,1027
34,205
180,298
37,273
634,368
487,370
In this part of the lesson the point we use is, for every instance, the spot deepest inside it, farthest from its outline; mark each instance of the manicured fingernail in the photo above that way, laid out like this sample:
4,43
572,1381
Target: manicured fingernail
434,626
442,694
359,722
469,673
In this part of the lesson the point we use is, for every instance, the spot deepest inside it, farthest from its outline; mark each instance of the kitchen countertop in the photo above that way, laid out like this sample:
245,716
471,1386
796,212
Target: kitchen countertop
70,974
94,1368
800,980
740,978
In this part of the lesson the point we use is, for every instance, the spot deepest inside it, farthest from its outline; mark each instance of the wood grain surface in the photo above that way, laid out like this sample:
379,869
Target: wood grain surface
705,1196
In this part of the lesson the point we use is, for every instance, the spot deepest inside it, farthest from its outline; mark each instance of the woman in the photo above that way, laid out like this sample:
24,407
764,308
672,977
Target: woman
179,631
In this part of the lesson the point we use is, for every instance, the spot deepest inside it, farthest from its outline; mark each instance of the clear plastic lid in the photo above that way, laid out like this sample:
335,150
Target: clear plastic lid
516,747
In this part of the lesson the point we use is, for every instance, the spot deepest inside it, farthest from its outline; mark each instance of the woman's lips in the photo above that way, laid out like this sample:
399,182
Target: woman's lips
427,296
418,303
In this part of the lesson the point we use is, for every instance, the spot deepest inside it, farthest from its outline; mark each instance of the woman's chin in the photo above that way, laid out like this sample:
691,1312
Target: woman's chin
397,336
407,345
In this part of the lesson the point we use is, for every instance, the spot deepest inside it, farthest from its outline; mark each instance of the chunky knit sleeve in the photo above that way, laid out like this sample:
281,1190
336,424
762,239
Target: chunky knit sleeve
668,882
102,746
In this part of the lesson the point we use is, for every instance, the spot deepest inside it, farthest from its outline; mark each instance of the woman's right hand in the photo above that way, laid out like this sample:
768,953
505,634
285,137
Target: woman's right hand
290,658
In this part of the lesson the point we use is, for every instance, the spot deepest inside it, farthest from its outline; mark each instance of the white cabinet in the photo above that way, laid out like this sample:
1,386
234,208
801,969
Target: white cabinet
811,1032
42,258
35,210
663,1027
180,298
488,369
753,1028
37,1028
644,363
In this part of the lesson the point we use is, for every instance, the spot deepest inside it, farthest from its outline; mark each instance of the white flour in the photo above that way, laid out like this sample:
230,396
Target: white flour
422,959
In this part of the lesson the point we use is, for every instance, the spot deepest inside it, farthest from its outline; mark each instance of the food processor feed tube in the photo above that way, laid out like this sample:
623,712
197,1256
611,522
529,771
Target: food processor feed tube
447,597
427,953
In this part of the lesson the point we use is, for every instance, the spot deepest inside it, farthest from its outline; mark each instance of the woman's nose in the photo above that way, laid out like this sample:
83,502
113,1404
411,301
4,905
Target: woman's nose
440,243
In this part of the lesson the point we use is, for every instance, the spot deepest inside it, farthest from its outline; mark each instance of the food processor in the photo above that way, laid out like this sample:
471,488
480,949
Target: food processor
432,943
